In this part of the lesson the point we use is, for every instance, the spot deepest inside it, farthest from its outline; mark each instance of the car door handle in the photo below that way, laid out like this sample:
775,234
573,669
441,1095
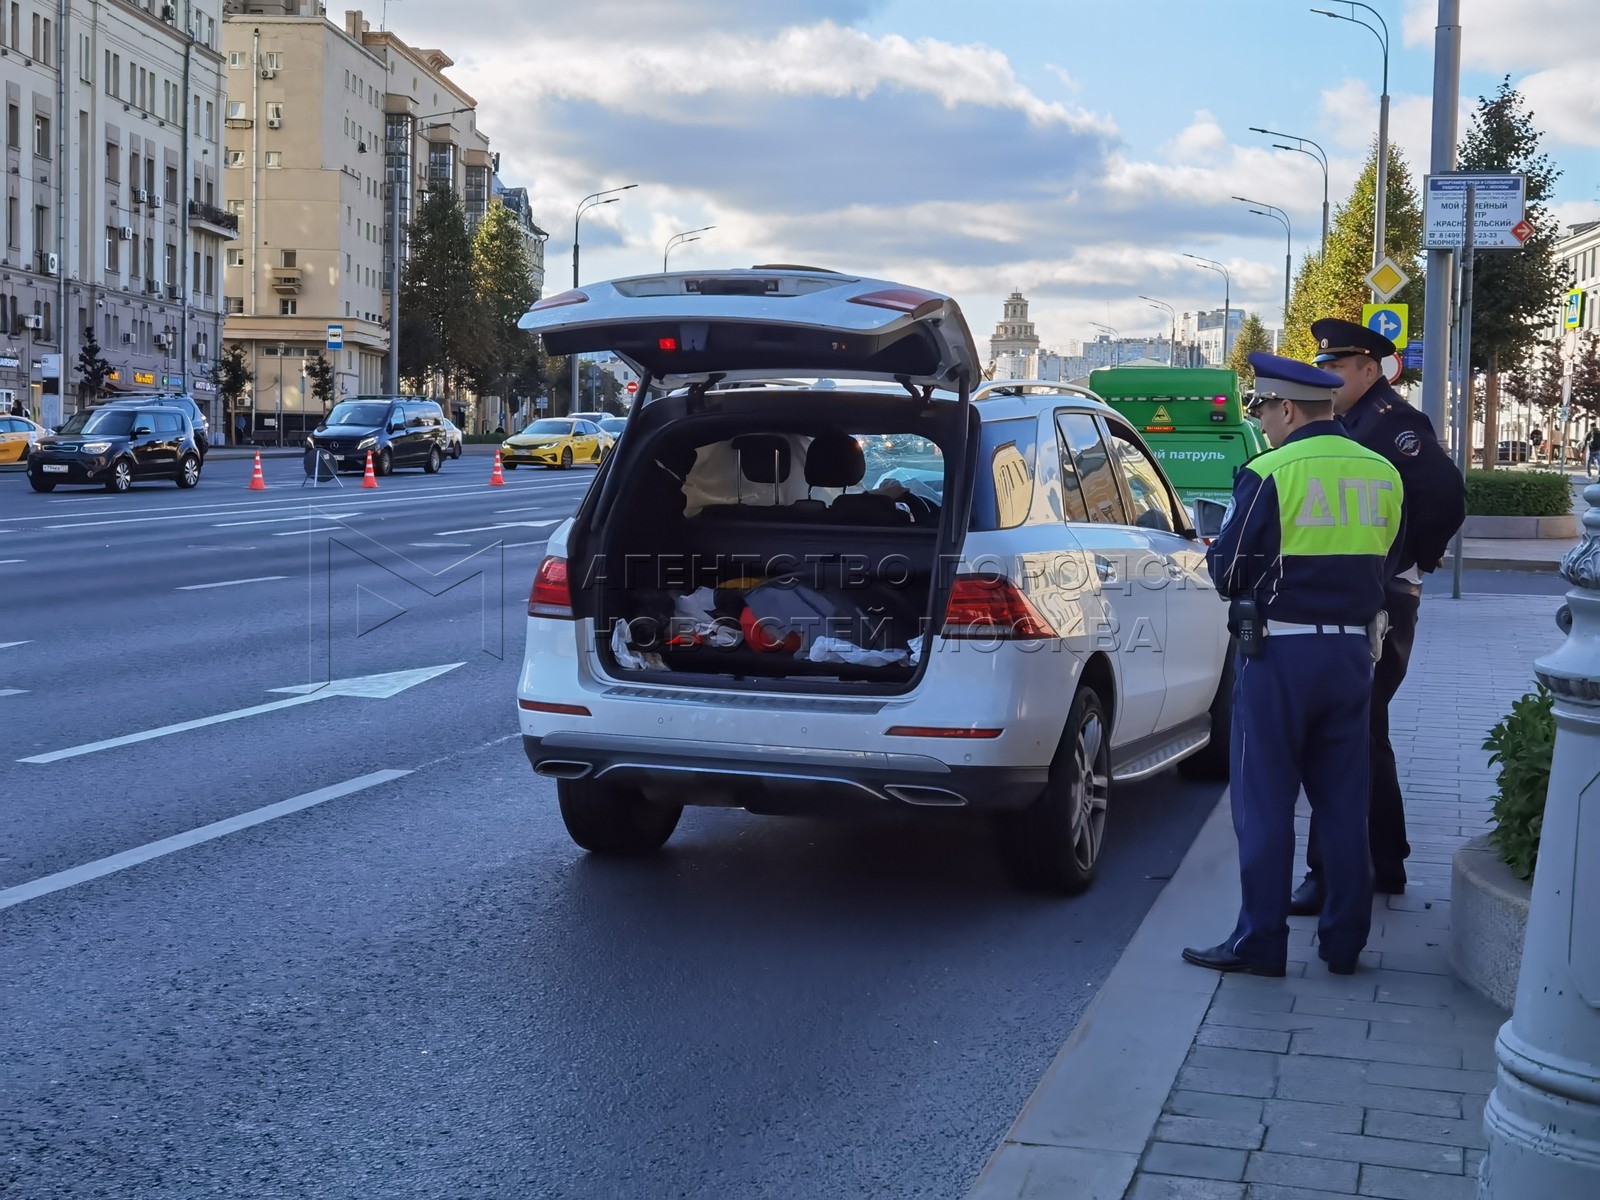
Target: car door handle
1105,568
1174,569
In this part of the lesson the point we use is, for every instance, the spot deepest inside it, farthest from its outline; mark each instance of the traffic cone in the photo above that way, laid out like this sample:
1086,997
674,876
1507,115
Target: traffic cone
369,479
258,482
497,479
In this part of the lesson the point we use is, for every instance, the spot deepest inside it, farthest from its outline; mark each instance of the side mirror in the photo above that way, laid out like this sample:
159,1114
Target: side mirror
142,431
397,427
1208,517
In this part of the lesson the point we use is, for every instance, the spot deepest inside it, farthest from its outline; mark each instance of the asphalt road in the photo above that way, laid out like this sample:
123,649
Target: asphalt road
414,984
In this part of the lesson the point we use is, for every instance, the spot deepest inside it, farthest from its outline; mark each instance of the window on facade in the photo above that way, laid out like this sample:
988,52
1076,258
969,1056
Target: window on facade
235,258
236,60
234,306
289,259
235,158
274,160
41,137
172,266
288,308
236,207
113,250
13,223
14,127
172,185
236,111
211,275
272,61
274,110
85,58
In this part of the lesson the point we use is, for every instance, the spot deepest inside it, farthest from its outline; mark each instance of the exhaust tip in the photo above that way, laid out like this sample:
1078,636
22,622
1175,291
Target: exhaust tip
557,769
925,797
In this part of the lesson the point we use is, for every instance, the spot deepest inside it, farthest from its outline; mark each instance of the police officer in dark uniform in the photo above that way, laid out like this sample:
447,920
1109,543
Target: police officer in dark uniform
1308,541
1435,505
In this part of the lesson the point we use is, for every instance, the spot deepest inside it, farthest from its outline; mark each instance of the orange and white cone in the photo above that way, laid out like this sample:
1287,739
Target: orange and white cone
497,479
369,479
258,482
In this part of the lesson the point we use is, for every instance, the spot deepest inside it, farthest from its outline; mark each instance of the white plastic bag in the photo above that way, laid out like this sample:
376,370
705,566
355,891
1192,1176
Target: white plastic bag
837,650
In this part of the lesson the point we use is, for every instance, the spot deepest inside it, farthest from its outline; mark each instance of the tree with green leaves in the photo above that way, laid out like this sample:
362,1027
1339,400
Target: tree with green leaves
93,369
1252,338
504,287
231,375
1586,377
319,374
441,330
1336,286
1513,291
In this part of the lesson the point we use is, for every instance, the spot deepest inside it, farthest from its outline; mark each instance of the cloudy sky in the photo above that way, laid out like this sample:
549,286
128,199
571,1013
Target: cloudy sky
1071,148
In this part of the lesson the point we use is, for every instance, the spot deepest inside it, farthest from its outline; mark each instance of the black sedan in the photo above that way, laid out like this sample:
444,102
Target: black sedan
115,446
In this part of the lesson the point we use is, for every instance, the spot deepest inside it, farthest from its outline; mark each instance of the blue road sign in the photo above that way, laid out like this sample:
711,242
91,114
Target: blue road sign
335,337
1386,323
1572,313
1411,356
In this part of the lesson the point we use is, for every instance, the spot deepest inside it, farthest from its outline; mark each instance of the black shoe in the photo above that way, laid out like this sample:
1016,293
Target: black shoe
1338,966
1220,958
1389,883
1307,898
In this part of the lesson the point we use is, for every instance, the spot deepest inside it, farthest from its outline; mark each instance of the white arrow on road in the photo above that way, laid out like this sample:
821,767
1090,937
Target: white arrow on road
8,645
371,687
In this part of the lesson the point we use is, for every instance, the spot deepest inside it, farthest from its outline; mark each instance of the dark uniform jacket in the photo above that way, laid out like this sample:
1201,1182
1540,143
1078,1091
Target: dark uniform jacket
1313,530
1435,493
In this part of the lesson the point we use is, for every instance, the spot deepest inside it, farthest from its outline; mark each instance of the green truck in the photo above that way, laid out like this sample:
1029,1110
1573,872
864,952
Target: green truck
1193,420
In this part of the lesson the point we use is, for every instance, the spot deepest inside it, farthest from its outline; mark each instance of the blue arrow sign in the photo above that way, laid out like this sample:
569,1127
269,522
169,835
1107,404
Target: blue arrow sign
1386,323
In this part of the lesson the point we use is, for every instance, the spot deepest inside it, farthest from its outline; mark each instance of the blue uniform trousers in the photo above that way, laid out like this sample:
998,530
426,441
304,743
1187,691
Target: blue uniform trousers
1300,720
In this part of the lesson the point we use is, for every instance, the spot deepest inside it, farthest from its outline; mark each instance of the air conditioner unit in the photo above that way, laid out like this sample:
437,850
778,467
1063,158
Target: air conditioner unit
127,339
169,14
155,200
269,72
199,349
52,264
32,322
140,196
274,122
163,340
126,233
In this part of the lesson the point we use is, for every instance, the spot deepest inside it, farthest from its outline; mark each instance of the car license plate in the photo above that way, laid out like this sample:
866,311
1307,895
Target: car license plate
55,468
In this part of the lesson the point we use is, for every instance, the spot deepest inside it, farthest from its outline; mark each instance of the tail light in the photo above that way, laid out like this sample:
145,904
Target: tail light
551,596
987,606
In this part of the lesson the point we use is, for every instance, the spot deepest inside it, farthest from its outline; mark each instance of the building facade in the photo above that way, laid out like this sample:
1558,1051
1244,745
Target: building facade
1203,331
1579,253
1015,335
533,238
108,221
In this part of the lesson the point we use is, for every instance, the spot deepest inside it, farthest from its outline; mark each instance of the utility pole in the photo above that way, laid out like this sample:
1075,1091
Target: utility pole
64,322
1438,301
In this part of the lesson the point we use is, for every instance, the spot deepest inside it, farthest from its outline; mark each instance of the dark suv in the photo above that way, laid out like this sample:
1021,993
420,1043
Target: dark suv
181,400
399,431
115,445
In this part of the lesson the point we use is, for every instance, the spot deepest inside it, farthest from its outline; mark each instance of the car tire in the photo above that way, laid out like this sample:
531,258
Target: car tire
41,485
385,463
566,457
1211,765
615,821
121,477
455,451
435,461
188,471
1054,844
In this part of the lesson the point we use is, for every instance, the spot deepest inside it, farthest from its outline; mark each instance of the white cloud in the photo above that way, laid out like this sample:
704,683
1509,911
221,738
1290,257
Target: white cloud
1500,35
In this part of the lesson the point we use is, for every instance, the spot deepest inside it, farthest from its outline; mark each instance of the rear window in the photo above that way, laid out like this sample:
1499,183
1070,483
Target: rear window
1002,494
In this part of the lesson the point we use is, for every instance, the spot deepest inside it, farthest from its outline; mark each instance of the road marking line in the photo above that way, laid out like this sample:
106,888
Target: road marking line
13,691
453,545
200,587
62,880
519,545
501,525
6,562
303,532
8,645
306,516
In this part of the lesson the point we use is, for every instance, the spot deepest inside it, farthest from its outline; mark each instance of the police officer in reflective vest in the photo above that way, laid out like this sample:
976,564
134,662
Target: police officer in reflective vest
1435,506
1308,541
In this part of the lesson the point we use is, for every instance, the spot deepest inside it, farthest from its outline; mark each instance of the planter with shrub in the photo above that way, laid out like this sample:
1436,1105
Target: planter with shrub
1490,884
1519,504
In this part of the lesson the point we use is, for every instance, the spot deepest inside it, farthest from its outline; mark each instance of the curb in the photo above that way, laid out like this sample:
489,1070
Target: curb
1541,565
1084,1130
1488,922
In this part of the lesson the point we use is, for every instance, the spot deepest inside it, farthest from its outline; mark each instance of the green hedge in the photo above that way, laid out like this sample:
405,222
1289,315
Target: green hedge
1518,494
1523,747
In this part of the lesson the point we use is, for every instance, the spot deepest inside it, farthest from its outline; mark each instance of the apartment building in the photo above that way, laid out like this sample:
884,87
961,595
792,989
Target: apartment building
533,238
108,214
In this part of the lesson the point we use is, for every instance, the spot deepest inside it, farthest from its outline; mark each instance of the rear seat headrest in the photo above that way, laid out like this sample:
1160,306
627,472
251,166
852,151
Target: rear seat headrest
763,457
835,460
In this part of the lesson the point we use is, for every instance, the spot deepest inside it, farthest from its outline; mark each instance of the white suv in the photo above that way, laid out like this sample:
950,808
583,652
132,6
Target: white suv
823,596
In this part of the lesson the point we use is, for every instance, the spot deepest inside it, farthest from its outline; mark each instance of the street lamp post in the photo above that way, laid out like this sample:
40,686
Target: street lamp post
1320,157
1116,346
1172,342
1381,201
280,393
584,205
1542,1122
680,239
1268,210
1227,294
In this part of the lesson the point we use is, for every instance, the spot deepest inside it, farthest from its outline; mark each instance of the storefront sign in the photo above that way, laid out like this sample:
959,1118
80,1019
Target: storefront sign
148,378
10,362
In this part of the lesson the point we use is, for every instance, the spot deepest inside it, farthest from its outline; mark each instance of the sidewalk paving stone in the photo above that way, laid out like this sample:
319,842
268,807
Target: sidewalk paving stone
1316,1086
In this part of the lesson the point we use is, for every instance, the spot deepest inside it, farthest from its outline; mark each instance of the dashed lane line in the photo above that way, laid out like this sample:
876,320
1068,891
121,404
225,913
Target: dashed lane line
102,867
201,587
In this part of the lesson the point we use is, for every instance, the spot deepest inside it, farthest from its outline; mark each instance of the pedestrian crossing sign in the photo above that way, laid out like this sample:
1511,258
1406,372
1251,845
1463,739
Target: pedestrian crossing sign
1388,319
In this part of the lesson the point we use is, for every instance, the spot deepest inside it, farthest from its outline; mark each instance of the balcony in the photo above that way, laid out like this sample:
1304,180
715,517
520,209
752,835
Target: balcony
212,219
286,281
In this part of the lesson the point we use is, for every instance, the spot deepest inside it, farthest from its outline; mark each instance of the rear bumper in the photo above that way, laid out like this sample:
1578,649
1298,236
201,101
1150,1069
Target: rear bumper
781,780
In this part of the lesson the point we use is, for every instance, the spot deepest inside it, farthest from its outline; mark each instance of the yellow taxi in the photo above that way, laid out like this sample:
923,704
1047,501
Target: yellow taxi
18,435
556,442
